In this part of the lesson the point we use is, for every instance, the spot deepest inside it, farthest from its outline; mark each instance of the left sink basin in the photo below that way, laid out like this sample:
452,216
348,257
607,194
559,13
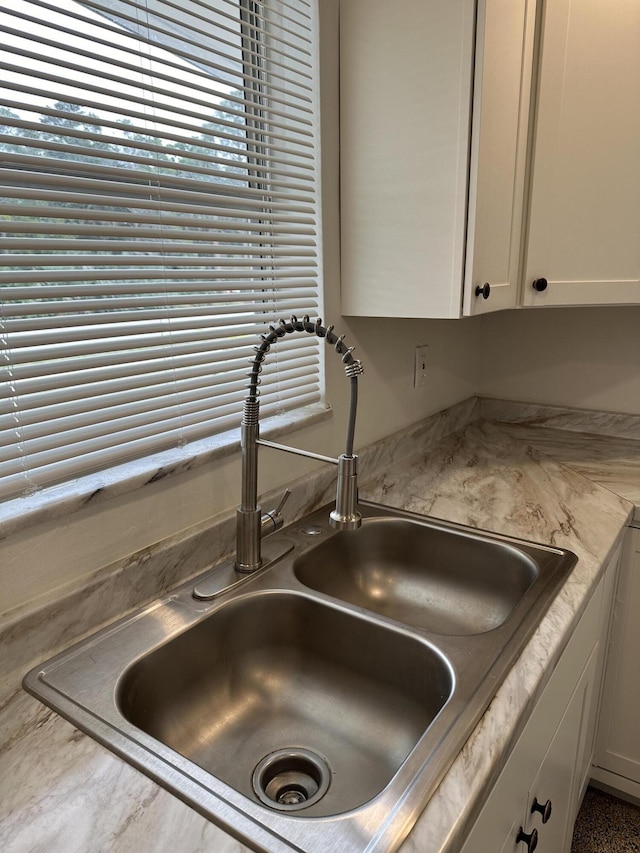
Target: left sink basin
330,703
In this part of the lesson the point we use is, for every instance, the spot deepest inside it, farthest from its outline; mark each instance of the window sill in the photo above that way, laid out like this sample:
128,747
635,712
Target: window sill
66,498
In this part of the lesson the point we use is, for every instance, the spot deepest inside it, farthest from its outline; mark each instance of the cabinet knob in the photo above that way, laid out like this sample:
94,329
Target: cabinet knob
483,290
543,808
531,840
540,284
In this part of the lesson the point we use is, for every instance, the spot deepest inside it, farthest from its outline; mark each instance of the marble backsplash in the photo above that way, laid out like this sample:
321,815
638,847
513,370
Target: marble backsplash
617,424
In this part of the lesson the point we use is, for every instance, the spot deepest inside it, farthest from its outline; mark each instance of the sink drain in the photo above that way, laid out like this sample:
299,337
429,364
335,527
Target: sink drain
291,779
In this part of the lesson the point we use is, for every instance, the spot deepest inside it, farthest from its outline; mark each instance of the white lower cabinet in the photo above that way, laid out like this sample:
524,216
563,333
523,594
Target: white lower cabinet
551,801
618,743
536,798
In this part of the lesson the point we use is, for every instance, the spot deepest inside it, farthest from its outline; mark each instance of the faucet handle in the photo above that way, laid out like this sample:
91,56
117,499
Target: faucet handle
273,520
285,497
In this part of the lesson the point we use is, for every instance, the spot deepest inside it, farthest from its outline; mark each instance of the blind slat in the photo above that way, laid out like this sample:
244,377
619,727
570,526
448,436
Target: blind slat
250,32
98,453
237,166
75,16
155,197
137,373
112,321
58,30
118,390
182,291
108,309
157,261
215,349
225,131
277,223
55,343
72,431
152,179
98,410
164,113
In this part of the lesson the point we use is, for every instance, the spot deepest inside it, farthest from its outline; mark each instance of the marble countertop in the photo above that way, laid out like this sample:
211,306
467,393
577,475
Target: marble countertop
61,791
611,462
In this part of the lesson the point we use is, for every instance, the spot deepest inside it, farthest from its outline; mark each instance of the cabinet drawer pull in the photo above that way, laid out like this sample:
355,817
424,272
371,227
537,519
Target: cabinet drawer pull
483,290
540,284
531,840
543,808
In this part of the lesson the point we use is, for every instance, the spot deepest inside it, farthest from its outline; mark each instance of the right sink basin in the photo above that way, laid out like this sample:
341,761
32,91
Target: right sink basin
444,581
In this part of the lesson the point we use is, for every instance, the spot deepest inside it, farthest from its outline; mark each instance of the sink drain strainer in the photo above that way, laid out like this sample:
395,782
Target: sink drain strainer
291,779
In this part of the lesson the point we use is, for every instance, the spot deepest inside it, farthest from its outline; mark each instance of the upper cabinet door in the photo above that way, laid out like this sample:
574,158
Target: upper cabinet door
405,100
584,227
501,102
433,131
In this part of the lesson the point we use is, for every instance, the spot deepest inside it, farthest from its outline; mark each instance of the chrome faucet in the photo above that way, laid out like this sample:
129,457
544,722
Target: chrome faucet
251,525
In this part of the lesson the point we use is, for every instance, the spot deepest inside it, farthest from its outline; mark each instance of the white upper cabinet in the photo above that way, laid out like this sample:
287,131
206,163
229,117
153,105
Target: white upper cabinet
584,226
434,117
501,101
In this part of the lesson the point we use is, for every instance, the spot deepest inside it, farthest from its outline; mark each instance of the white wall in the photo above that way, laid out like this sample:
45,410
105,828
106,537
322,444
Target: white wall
581,357
36,564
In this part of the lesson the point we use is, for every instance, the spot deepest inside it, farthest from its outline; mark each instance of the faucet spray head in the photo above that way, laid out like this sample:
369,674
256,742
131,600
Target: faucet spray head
345,516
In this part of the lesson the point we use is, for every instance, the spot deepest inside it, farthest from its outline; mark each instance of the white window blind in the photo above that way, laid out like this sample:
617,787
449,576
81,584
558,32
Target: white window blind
159,209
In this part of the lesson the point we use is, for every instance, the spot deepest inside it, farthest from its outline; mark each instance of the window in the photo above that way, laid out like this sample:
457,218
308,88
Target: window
159,209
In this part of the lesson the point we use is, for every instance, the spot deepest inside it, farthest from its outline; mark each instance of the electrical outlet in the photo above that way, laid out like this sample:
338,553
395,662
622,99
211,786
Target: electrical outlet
420,366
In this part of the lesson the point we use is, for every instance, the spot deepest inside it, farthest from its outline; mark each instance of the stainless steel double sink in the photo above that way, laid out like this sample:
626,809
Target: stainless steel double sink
317,704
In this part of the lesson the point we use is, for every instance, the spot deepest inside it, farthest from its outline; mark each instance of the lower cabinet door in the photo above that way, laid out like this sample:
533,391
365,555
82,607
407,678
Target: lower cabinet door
534,802
494,832
551,807
511,843
618,752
